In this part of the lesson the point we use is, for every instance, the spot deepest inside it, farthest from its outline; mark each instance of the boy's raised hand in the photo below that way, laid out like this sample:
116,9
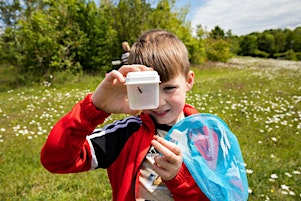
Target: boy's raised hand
169,164
111,94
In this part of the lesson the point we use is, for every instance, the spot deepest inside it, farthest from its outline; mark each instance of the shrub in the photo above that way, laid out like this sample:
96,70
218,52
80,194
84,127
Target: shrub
217,50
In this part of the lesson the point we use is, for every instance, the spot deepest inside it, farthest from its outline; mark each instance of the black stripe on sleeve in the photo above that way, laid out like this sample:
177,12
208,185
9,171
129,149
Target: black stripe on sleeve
109,141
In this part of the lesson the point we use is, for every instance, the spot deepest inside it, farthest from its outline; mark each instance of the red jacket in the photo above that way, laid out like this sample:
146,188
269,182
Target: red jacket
119,147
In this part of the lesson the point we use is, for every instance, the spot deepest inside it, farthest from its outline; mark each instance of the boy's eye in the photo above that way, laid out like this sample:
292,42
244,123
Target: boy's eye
169,88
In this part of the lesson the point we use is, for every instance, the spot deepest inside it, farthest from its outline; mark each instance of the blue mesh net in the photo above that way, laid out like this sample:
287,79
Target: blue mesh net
212,154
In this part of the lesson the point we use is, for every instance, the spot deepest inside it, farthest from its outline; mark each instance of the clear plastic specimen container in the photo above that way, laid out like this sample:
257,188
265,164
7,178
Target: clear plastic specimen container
143,90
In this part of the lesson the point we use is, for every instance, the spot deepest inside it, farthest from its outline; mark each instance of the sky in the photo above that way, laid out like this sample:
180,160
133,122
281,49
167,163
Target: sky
244,16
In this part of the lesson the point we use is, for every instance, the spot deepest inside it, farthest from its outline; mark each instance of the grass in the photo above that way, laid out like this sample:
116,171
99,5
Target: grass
259,99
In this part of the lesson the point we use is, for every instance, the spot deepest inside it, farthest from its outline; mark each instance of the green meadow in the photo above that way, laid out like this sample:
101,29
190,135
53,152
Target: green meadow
259,99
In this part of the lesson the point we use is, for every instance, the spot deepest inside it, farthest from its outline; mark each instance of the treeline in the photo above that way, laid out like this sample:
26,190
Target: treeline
273,43
278,43
41,37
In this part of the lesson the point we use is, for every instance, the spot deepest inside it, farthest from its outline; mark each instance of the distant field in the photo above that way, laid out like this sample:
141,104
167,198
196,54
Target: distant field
259,99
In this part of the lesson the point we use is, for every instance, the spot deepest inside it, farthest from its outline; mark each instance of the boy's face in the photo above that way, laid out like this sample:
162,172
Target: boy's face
172,99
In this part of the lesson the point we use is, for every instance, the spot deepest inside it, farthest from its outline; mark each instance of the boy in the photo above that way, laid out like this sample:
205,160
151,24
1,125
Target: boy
141,165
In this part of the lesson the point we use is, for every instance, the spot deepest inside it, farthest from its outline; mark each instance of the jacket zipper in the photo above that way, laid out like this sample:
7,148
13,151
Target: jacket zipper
136,173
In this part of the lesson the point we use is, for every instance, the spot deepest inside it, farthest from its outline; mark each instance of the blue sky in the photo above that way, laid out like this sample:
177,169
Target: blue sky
244,16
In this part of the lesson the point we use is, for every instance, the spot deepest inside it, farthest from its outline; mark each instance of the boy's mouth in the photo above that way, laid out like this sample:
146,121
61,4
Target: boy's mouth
161,113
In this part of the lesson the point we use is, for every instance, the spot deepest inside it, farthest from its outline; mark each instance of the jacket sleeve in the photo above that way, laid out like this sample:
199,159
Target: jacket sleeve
66,149
183,187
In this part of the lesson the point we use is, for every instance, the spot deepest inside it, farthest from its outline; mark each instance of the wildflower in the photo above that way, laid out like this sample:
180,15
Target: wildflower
291,193
249,171
274,176
284,187
296,172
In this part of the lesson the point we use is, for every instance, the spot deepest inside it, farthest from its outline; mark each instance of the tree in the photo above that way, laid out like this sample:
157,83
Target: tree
266,43
133,17
9,13
63,35
217,33
46,36
280,40
217,45
196,46
248,45
295,43
218,50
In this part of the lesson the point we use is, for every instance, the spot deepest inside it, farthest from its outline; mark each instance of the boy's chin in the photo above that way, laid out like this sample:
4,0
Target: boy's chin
165,121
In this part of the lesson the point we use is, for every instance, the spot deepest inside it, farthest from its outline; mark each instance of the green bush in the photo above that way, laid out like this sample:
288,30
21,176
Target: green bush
71,35
291,55
217,49
262,54
298,55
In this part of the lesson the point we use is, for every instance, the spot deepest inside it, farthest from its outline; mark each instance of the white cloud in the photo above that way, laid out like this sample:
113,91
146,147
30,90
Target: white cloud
246,16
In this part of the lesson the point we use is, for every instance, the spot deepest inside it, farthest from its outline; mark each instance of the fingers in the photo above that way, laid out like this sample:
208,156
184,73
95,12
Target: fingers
111,93
133,68
165,169
168,149
120,75
113,75
167,165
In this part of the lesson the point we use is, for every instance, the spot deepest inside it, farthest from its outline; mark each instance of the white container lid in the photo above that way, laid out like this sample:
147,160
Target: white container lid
142,77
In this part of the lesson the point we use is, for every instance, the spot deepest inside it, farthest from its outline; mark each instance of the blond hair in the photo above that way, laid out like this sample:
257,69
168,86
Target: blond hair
125,45
162,51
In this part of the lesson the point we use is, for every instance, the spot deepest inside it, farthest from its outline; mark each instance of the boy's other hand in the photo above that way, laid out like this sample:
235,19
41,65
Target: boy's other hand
111,94
169,164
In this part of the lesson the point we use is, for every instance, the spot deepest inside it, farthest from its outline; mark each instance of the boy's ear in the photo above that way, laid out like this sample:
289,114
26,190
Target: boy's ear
190,80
